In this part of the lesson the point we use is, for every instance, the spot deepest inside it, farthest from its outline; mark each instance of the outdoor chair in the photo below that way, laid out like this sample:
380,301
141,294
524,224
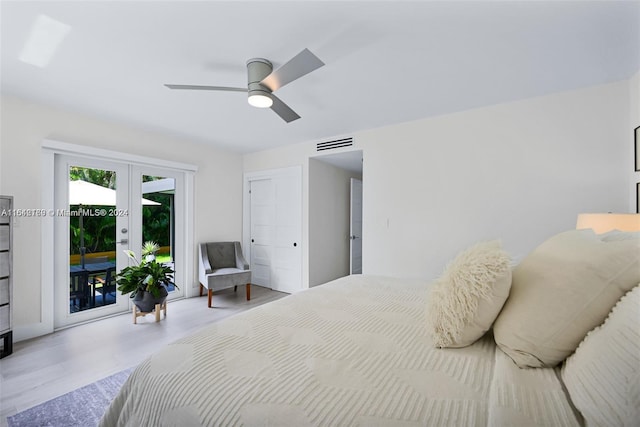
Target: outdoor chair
222,266
79,291
105,288
95,276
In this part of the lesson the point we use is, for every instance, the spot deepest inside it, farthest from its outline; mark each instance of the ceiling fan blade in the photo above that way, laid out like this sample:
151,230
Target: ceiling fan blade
283,110
196,87
298,66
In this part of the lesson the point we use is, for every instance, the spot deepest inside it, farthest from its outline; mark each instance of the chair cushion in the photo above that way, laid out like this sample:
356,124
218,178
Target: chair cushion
223,278
221,255
226,271
561,291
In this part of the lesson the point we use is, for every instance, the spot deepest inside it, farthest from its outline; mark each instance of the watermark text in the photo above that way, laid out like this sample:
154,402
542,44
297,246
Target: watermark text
83,212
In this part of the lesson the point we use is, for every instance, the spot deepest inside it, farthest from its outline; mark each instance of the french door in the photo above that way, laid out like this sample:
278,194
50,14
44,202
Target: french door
103,208
91,230
158,215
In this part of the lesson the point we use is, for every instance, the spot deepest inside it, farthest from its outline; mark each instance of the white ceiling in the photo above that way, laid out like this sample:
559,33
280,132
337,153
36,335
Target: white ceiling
386,62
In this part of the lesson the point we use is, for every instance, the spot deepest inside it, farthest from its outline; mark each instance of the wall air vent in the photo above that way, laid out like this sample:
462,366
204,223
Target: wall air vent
332,145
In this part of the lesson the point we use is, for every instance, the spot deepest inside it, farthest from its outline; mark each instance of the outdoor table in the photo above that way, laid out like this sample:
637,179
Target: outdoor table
93,270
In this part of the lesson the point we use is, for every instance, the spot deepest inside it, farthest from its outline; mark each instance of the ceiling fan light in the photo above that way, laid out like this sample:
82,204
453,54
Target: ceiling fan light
260,100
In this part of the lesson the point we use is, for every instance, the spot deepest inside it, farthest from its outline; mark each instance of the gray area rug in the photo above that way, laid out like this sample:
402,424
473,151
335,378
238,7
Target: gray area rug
82,407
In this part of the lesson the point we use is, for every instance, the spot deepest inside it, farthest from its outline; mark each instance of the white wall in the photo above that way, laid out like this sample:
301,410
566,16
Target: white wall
218,184
634,122
518,172
329,209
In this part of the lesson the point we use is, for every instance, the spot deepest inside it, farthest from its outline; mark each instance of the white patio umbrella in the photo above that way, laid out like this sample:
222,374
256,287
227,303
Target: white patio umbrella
85,193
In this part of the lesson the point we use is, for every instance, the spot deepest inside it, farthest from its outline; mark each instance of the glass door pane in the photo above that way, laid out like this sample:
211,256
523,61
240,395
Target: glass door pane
92,236
158,217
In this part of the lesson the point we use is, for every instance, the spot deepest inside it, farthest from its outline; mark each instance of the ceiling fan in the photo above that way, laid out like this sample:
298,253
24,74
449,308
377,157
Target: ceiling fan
263,81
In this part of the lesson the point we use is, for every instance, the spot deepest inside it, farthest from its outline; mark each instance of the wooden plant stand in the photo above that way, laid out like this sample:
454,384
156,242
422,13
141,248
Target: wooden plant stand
159,307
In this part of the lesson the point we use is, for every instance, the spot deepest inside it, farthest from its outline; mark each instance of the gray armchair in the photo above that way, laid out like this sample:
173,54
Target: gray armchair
221,266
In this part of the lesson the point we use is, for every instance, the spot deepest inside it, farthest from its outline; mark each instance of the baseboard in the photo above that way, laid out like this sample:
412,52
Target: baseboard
25,332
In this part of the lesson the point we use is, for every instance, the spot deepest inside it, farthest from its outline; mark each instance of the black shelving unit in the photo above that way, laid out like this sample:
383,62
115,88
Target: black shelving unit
6,276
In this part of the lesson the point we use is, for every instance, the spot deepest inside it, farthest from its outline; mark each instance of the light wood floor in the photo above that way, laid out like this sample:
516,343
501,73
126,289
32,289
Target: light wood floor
43,368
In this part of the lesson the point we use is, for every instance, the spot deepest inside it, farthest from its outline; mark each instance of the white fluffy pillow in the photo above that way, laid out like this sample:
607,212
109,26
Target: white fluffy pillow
603,375
466,299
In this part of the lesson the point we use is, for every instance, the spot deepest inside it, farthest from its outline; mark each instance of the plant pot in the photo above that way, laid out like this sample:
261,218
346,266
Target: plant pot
146,302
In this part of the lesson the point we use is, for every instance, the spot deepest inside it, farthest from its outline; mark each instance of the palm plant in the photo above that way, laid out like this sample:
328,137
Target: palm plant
145,275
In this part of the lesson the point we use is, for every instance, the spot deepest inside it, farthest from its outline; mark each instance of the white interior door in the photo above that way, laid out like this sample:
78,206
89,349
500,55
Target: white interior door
287,260
262,230
273,228
356,227
91,223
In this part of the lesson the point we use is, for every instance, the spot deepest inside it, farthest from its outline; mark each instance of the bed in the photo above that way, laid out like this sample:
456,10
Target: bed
352,352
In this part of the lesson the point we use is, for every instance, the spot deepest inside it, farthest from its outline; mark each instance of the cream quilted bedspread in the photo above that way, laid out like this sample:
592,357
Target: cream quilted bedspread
352,352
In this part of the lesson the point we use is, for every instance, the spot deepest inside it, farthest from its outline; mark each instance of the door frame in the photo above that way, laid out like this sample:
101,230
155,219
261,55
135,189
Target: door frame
51,148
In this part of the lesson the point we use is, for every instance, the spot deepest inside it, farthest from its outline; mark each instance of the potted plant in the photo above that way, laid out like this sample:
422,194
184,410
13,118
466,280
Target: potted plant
146,280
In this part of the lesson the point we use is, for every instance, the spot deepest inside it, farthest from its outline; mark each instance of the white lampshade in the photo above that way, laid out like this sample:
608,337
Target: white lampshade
260,101
603,222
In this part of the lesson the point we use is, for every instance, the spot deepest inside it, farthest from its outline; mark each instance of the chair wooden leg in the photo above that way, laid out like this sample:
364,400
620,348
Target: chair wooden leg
210,295
248,287
201,288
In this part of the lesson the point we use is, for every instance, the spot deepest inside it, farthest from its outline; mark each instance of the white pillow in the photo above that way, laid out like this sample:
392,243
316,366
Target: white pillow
563,289
465,300
603,375
616,235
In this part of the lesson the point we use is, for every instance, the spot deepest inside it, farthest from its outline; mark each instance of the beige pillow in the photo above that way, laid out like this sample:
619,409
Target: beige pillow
465,300
603,375
561,291
614,235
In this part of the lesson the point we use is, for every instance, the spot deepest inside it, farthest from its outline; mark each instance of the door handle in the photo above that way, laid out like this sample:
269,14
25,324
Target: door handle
353,237
123,242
